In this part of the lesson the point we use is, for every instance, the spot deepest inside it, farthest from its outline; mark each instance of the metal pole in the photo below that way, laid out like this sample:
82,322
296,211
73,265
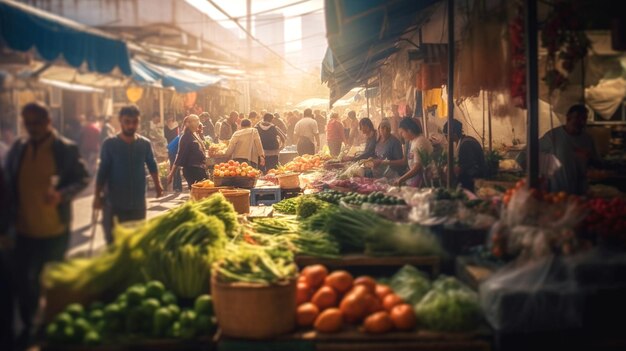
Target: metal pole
161,108
380,88
532,93
489,121
450,90
367,98
248,98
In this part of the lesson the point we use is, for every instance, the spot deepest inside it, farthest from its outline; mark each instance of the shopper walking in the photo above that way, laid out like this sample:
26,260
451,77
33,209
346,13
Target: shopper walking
246,146
121,179
273,140
335,135
170,130
321,126
208,128
471,159
412,133
191,155
280,124
44,174
229,126
306,134
89,144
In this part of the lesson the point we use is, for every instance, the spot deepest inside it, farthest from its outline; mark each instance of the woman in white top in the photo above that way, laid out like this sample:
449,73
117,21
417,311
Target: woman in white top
245,145
411,132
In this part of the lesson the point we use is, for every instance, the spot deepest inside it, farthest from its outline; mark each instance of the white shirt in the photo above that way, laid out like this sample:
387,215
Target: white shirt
306,127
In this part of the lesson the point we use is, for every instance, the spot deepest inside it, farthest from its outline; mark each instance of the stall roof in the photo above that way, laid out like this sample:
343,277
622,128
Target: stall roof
183,80
361,35
70,86
24,27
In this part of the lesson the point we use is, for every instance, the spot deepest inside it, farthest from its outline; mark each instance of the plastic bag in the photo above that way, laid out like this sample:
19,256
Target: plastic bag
539,295
449,306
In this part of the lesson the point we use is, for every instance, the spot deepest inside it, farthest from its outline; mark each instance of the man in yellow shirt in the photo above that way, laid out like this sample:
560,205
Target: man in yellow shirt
45,172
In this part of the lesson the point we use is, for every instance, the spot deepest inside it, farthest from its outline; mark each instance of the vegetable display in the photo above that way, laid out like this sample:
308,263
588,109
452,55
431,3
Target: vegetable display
247,263
147,247
141,312
299,164
287,206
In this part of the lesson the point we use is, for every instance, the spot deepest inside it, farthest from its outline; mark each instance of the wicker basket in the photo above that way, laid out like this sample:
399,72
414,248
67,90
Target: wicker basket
199,192
240,198
289,180
254,311
237,182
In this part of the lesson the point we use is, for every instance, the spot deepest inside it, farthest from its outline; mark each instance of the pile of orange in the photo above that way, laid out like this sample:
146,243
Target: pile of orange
299,164
551,198
235,169
329,301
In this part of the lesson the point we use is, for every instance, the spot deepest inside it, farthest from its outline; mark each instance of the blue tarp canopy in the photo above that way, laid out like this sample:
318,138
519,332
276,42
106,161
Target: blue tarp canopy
183,80
361,35
23,27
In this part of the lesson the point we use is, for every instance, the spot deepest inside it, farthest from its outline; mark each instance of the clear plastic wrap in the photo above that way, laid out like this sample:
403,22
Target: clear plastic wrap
536,296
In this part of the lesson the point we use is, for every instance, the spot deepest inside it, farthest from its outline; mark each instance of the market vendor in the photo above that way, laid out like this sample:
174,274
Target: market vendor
246,146
575,150
388,150
469,153
191,155
411,131
369,132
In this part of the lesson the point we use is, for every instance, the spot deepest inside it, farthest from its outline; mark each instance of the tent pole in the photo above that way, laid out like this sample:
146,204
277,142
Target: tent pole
161,108
532,93
367,98
380,87
489,120
450,90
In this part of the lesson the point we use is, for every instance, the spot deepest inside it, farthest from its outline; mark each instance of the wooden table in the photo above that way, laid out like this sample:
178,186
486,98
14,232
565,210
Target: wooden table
353,339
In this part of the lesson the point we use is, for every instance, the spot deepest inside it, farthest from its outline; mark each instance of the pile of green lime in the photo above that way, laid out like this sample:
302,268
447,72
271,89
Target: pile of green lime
143,311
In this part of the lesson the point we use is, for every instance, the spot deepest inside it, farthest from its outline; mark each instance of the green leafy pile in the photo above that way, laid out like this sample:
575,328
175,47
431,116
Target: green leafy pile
410,284
449,306
245,263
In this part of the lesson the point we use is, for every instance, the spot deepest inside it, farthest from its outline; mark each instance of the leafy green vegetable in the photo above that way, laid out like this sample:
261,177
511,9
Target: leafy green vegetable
309,205
287,206
449,310
256,264
410,284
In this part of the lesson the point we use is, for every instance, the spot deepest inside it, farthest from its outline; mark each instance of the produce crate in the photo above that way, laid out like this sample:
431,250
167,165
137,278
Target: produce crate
370,265
199,344
237,182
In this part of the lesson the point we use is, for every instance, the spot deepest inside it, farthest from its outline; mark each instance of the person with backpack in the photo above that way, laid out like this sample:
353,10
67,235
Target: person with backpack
273,139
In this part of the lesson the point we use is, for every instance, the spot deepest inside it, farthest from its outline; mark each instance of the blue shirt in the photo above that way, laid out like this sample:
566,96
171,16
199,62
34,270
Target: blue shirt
172,147
122,172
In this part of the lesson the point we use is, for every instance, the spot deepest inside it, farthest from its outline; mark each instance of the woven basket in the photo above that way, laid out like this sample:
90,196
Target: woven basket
198,192
254,311
237,182
289,180
240,198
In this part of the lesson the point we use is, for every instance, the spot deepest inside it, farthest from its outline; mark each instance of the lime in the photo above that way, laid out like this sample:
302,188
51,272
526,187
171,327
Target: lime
75,310
204,305
155,289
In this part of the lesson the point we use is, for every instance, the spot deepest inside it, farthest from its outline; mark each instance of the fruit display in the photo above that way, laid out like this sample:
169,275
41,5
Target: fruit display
358,184
204,184
217,149
235,169
606,219
329,301
143,311
299,164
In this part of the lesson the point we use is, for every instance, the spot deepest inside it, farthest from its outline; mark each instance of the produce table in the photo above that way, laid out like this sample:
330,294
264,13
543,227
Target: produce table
201,344
471,273
433,263
355,340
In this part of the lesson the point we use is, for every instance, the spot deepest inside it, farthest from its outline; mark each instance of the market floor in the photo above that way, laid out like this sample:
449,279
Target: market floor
82,228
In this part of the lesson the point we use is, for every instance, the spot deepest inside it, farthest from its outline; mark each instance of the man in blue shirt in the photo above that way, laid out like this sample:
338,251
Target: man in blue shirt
121,179
172,150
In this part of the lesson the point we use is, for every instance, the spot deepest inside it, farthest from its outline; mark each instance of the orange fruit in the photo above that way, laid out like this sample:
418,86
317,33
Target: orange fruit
325,298
341,281
403,317
306,314
329,321
354,307
315,275
303,292
378,323
382,291
368,282
391,300
373,304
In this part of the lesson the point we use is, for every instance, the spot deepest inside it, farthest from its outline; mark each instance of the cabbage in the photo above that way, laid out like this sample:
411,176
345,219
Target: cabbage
410,284
454,309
